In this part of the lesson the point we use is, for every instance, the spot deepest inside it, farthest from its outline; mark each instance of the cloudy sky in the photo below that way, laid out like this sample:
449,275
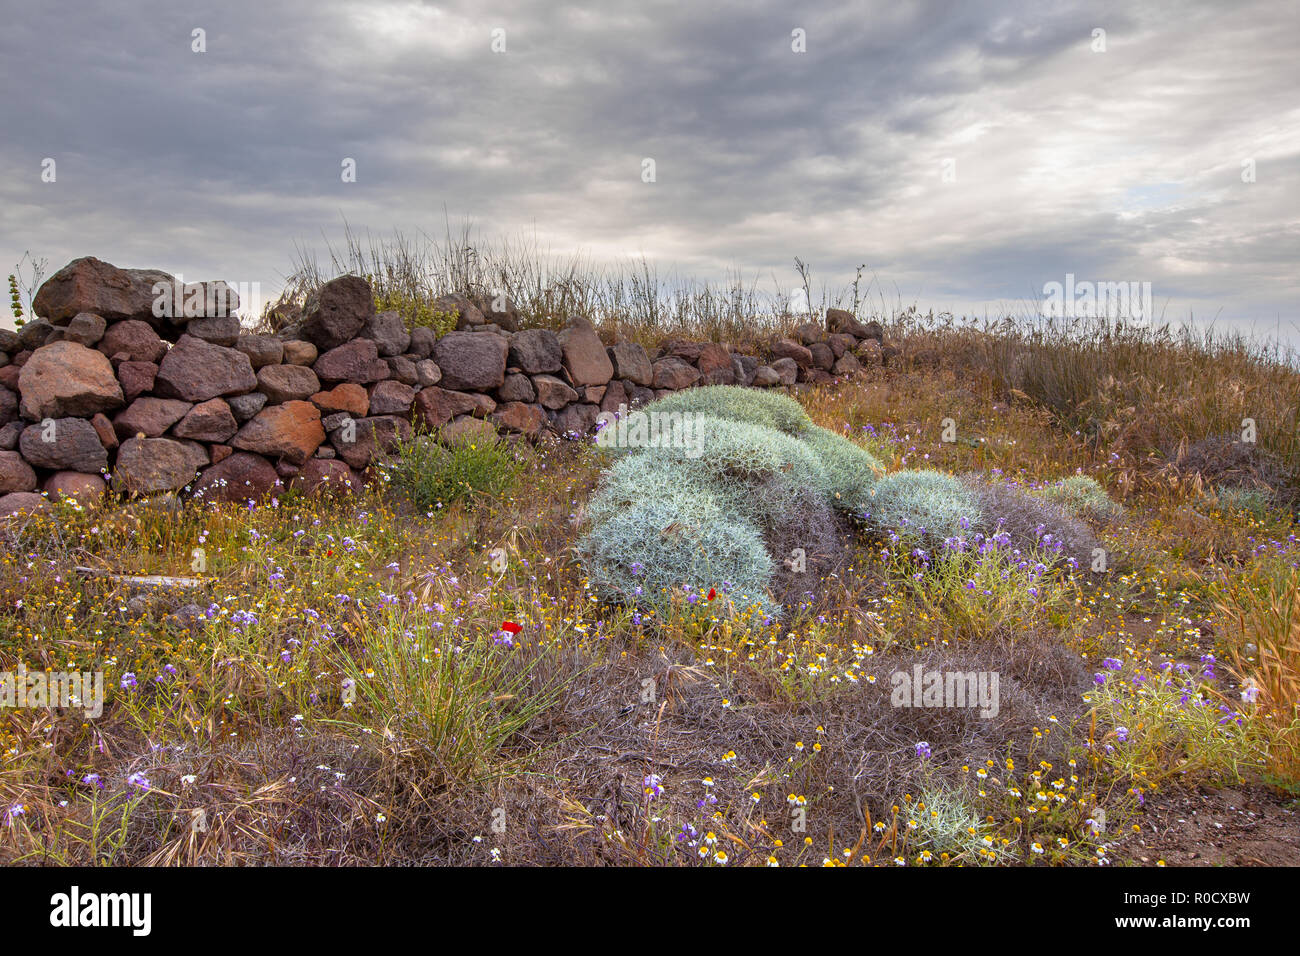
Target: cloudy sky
967,152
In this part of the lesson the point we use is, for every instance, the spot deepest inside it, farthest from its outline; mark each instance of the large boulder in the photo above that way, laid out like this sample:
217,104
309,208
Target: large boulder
388,332
436,406
290,432
843,321
65,379
674,373
475,361
135,339
585,358
238,477
799,354
15,474
262,350
536,351
287,383
631,362
146,466
149,417
195,370
356,361
210,421
64,444
91,285
552,392
337,312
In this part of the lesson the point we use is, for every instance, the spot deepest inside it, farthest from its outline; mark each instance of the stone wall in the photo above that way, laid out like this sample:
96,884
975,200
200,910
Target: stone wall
133,383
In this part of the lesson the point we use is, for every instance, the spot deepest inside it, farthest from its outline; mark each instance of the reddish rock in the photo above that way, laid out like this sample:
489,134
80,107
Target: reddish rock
21,503
577,419
536,351
520,417
86,489
467,430
615,396
149,417
63,444
291,431
843,321
631,362
287,383
552,392
436,406
840,343
391,398
846,364
784,348
64,379
239,477
136,378
484,405
220,453
810,333
91,285
149,465
136,339
15,474
787,370
104,430
474,361
85,328
673,373
337,311
210,421
357,361
343,398
8,406
823,357
585,358
466,313
262,350
765,376
370,437
326,476
196,371
517,388
297,352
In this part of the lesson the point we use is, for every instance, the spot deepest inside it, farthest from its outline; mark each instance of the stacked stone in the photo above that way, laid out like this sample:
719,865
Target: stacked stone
109,390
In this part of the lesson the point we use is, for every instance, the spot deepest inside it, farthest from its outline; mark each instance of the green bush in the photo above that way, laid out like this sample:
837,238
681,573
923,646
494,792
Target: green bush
928,506
433,475
850,469
751,405
1252,501
1083,496
676,541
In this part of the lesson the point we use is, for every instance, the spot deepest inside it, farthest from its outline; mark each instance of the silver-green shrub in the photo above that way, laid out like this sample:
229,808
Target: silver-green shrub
1085,497
926,506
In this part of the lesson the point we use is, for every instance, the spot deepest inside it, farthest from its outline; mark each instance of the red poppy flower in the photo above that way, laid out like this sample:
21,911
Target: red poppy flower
712,594
510,627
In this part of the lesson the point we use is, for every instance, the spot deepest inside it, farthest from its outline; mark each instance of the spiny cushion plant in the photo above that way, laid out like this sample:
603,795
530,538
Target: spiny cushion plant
850,468
755,406
922,506
1030,523
1083,496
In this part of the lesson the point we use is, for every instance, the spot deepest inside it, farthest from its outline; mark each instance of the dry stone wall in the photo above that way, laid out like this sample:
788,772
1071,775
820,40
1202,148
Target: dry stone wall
132,383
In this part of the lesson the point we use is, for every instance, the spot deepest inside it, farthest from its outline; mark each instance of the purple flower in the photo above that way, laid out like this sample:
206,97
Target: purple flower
923,751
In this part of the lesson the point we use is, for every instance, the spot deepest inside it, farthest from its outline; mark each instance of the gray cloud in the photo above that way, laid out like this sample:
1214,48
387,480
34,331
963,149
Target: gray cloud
1116,165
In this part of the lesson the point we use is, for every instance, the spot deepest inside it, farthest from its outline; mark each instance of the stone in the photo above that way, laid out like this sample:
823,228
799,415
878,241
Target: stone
239,477
244,407
521,417
287,383
149,417
683,349
784,348
787,370
9,377
552,392
744,367
220,453
436,406
500,310
517,388
219,330
428,373
347,397
822,356
388,332
810,333
765,377
337,311
593,394
536,351
291,432
585,358
9,435
631,362
297,352
210,421
137,339
22,503
104,430
85,328
150,465
391,398
136,378
846,364
87,489
465,312
15,473
843,321
372,437
65,379
357,361
468,430
8,406
638,394
577,419
714,357
615,396
195,370
471,361
403,370
841,343
422,341
9,341
673,373
91,285
484,405
262,350
325,475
